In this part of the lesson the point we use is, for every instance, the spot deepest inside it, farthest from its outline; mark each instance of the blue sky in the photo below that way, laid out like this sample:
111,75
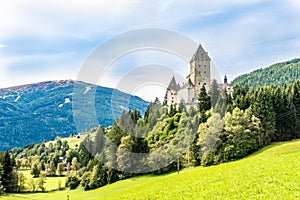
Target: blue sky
49,40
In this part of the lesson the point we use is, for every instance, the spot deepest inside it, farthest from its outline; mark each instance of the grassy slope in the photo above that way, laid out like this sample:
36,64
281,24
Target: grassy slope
272,173
52,183
73,142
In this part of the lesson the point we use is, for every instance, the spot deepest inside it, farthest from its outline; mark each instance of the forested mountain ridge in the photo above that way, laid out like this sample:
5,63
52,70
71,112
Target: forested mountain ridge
41,111
277,74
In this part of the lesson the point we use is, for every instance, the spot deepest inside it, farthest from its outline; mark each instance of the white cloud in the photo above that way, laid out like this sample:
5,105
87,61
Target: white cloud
2,45
76,18
295,4
56,69
49,19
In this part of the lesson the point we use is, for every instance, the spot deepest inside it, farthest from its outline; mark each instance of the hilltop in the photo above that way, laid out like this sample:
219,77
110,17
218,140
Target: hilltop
277,74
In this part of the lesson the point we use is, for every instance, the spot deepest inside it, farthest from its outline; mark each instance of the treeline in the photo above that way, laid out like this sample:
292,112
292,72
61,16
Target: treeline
277,74
221,128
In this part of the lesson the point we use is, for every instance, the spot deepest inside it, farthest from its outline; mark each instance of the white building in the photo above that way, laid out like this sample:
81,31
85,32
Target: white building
199,76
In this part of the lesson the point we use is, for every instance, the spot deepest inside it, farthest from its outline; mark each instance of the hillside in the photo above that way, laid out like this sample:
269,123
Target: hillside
277,74
36,112
271,173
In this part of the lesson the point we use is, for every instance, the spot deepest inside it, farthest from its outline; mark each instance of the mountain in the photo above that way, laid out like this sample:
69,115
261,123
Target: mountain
41,111
277,74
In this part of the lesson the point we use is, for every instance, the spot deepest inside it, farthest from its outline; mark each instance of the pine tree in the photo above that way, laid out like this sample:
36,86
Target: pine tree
182,107
99,141
2,189
7,166
172,111
98,177
262,108
115,134
214,93
85,151
204,102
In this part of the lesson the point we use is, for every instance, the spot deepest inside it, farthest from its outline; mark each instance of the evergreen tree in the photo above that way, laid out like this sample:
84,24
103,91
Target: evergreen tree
204,102
110,152
296,102
115,134
85,148
99,141
240,97
7,166
182,107
172,111
2,189
85,180
262,108
214,93
97,177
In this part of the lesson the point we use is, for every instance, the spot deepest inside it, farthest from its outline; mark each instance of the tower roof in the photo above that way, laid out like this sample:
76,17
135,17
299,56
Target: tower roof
173,85
190,82
200,54
225,79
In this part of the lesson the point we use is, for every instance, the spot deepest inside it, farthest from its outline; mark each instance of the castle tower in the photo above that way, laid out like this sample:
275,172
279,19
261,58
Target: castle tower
200,70
171,94
225,80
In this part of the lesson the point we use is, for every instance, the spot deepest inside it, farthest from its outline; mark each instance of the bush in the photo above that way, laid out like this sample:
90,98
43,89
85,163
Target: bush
72,182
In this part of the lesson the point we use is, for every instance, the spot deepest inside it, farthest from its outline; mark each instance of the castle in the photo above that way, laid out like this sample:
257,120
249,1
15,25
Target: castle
200,75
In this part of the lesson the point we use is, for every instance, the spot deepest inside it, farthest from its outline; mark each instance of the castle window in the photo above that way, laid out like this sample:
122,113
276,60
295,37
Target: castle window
172,101
204,83
204,65
204,72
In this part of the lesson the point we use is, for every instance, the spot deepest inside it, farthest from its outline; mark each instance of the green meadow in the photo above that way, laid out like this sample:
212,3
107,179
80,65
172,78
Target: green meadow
271,173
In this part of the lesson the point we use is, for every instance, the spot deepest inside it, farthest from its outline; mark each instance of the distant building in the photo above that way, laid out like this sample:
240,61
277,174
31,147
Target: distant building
226,86
200,74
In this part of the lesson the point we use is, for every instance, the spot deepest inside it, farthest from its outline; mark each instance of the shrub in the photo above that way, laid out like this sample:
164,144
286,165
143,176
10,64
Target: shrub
72,182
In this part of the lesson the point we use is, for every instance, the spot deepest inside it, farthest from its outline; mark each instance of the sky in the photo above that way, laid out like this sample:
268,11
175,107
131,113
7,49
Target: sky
50,40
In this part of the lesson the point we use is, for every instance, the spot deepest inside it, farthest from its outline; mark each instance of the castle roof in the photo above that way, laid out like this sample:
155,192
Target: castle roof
190,82
225,79
173,85
200,54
